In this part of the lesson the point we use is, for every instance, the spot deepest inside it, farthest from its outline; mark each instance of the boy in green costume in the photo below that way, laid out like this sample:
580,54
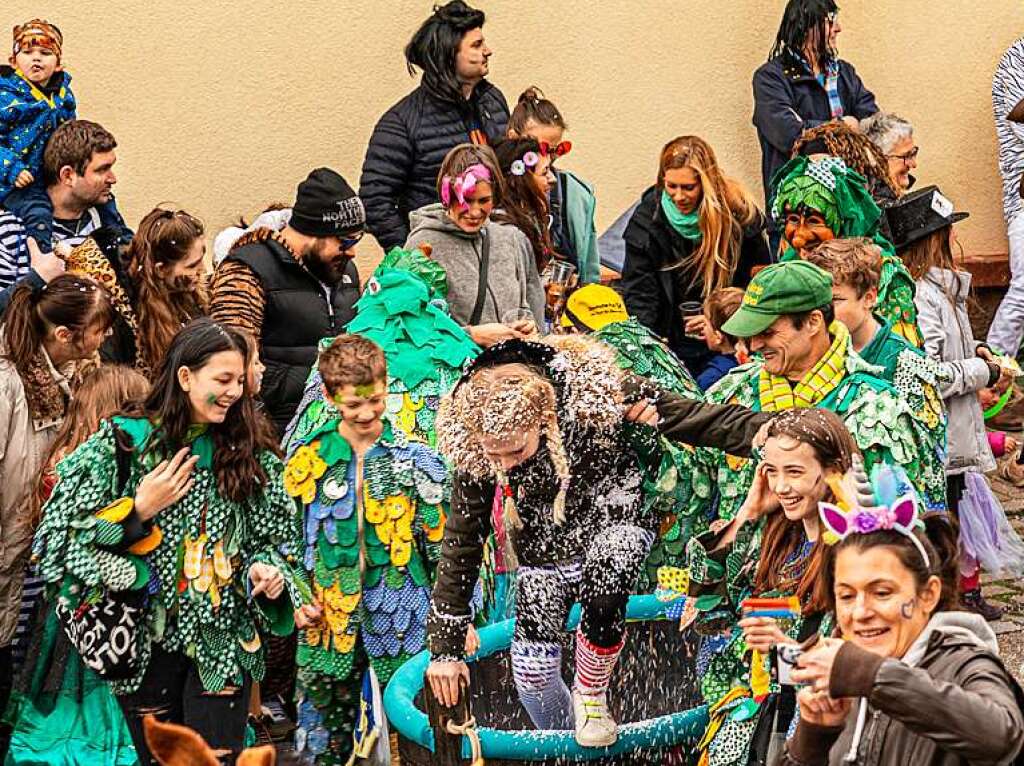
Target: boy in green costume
372,505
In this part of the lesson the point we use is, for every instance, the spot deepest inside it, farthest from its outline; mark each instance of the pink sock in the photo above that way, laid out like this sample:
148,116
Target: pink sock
594,665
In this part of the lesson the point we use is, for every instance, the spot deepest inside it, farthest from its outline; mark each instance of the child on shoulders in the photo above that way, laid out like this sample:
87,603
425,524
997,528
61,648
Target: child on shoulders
35,98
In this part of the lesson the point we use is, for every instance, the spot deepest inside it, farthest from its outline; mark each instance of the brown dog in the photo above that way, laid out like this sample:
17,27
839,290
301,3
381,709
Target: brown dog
173,745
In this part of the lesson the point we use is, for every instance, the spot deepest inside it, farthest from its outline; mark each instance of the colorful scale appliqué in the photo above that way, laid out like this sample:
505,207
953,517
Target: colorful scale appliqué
374,584
204,611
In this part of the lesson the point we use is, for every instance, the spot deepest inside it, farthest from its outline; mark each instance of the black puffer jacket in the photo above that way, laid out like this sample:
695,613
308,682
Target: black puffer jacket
407,147
653,292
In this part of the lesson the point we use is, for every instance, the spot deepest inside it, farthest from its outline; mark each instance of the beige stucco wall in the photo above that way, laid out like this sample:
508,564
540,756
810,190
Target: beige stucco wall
222,107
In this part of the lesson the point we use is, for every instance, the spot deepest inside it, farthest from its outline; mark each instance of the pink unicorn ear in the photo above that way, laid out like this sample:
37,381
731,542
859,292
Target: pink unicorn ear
834,519
904,512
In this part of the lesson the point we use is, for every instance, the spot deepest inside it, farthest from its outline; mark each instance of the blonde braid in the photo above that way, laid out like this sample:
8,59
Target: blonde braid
561,462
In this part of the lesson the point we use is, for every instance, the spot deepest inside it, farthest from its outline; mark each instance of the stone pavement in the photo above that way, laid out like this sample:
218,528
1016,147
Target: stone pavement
1009,593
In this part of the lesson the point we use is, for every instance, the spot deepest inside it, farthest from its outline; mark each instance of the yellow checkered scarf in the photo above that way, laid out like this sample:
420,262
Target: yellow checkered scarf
777,394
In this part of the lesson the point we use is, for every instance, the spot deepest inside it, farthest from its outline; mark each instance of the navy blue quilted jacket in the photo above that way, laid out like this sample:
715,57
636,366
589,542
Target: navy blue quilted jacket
407,147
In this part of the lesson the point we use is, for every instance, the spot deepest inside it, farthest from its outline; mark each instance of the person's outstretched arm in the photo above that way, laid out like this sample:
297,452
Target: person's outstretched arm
462,551
728,427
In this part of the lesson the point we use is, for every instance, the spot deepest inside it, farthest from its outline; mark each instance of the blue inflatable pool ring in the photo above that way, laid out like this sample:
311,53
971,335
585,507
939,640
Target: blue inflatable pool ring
412,723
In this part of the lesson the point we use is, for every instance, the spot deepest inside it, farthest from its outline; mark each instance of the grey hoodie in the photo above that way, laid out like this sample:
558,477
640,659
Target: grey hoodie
512,280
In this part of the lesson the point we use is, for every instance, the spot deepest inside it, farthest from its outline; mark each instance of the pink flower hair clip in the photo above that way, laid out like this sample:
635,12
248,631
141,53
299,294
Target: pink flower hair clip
463,184
860,513
529,160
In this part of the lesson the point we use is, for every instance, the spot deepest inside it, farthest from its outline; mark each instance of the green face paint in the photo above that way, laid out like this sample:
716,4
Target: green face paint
211,399
366,390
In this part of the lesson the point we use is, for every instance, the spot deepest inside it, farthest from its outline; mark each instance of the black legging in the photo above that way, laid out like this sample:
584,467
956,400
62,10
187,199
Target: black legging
602,582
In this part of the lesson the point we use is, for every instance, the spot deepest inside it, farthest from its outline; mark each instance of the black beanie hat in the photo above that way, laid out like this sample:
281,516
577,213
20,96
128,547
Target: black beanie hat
326,206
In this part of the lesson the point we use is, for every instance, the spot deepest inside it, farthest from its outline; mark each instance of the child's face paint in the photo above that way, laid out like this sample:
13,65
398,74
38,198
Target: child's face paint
215,387
366,390
878,604
362,406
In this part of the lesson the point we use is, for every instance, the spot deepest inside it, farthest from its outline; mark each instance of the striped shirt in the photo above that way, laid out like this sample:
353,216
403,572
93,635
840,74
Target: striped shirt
74,233
1007,92
14,261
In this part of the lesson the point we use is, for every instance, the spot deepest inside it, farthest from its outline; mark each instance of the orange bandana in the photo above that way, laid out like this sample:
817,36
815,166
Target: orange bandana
38,32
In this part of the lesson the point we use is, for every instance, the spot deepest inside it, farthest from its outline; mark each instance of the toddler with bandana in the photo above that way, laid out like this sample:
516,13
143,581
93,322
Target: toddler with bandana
35,98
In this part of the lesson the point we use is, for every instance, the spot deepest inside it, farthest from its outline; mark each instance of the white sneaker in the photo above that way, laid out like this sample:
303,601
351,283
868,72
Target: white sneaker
595,726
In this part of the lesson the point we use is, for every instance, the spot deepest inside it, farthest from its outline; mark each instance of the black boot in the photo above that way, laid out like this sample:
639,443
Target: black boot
973,601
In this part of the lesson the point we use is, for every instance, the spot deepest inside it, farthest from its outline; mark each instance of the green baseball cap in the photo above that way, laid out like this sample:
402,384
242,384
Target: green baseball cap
782,288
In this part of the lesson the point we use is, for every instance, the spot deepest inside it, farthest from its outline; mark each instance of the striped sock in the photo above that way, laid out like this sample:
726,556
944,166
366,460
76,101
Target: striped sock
594,665
537,669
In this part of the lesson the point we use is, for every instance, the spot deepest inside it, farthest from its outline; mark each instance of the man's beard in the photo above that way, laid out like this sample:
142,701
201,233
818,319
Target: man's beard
327,271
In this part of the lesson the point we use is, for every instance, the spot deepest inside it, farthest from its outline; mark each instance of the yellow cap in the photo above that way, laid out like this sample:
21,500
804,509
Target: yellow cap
592,307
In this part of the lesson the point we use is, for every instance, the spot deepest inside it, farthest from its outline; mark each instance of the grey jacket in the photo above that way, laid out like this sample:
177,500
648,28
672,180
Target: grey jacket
512,280
948,702
948,339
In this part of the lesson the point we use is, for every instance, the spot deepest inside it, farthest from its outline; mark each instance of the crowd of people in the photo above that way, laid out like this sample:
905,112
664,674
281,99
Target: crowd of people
253,495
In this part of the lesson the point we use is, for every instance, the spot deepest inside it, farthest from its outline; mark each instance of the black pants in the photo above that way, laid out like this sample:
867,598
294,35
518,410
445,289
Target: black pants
171,691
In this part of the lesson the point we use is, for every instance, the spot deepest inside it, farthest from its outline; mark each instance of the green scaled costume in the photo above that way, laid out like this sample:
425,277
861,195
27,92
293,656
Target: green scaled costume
841,196
372,530
403,310
734,681
914,374
886,425
679,490
199,569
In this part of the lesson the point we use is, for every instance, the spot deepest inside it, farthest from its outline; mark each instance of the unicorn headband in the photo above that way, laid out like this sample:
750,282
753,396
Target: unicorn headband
865,514
463,184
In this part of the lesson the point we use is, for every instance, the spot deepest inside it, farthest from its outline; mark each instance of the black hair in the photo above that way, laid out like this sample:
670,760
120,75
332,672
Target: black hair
939,540
803,19
243,435
435,44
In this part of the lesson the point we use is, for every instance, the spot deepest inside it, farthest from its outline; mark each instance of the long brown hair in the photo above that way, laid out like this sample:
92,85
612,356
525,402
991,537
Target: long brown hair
70,300
930,251
243,435
833,448
524,206
164,237
725,209
103,392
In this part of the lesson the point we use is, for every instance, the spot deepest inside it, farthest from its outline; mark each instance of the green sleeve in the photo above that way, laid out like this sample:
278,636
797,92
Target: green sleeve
275,538
70,539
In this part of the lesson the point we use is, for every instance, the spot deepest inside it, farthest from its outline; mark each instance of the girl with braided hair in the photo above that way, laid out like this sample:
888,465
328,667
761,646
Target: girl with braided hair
541,425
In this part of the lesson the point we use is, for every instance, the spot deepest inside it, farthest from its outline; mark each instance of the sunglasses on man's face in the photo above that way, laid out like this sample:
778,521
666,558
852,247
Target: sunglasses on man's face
347,243
556,151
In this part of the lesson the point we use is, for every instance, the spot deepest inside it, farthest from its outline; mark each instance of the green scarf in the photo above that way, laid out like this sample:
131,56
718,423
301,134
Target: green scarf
686,225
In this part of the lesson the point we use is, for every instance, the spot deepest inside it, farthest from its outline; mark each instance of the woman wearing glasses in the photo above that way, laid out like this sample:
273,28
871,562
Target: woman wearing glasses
894,136
156,284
